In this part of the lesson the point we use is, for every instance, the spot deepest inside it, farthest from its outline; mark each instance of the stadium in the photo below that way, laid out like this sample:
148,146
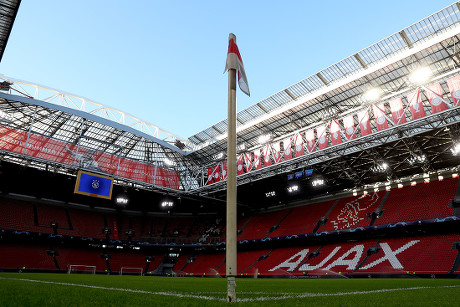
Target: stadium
348,187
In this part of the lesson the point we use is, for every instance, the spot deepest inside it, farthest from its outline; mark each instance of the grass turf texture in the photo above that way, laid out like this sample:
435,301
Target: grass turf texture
22,289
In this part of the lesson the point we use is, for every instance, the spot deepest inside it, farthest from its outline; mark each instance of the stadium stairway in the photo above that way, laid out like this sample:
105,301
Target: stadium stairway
369,252
302,219
262,224
379,211
202,264
456,265
312,254
323,219
45,216
217,268
455,202
241,229
275,227
248,268
352,212
182,263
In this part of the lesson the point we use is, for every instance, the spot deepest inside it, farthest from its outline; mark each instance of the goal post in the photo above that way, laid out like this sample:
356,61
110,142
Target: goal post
81,269
131,271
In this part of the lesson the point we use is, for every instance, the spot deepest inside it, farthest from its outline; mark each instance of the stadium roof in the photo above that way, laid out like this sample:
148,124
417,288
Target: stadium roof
329,95
337,91
8,11
296,103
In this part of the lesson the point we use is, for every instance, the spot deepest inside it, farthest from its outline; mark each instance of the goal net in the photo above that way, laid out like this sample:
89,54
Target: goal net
81,269
131,271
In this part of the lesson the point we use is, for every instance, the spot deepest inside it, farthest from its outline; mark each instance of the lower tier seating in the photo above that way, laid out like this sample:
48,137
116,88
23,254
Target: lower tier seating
414,255
15,256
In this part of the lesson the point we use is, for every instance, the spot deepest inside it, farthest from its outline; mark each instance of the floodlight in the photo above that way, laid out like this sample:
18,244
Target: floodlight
416,159
168,162
380,168
219,156
122,200
373,94
264,138
167,204
317,182
420,75
241,147
293,188
456,149
270,194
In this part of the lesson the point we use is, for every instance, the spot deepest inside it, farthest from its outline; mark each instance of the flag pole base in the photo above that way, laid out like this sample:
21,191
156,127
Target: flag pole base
231,289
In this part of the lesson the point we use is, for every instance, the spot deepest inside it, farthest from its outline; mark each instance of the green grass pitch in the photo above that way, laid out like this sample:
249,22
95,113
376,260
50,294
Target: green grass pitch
27,289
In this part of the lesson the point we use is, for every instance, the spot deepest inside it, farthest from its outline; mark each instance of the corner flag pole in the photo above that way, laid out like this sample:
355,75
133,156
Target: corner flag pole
231,270
234,63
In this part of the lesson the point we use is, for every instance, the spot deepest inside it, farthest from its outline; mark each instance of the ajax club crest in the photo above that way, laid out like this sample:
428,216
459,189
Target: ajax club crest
95,184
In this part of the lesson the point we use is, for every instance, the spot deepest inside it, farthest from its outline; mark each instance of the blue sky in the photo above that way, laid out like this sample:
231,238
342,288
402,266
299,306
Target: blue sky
163,61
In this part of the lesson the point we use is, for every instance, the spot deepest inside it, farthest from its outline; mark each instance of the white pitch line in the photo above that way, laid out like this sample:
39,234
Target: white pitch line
211,298
304,295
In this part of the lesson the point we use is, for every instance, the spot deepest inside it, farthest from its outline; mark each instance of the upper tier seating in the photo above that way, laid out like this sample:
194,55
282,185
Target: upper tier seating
422,201
87,224
302,219
351,212
17,215
258,227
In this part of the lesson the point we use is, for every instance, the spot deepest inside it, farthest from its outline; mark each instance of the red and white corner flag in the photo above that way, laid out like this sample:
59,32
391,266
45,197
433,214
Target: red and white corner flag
234,61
